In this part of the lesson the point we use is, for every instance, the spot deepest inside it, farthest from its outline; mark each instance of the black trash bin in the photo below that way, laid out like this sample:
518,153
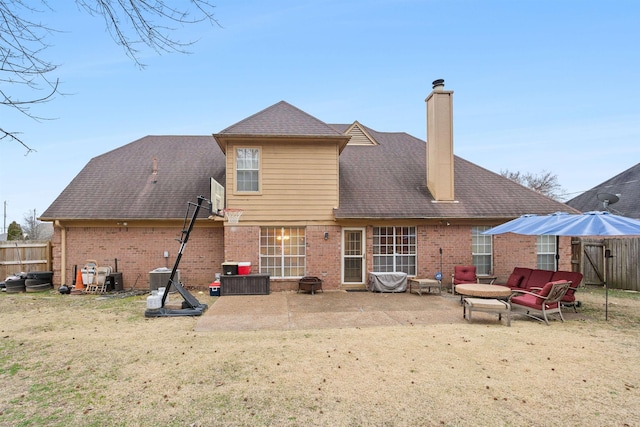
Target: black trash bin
114,282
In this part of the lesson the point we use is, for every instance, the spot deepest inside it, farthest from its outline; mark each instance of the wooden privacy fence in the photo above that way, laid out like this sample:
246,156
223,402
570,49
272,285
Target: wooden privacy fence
623,270
30,255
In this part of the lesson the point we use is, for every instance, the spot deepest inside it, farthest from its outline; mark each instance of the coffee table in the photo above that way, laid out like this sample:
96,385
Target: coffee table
487,305
482,290
427,284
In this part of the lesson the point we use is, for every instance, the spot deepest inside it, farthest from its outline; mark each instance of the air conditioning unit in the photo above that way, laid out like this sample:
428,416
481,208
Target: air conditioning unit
159,278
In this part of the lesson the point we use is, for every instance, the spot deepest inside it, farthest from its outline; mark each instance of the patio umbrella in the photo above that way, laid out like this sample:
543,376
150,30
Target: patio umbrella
530,224
594,223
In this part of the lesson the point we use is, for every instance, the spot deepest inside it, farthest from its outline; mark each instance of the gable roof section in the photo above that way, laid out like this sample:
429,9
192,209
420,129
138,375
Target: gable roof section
120,184
280,120
359,135
626,183
389,181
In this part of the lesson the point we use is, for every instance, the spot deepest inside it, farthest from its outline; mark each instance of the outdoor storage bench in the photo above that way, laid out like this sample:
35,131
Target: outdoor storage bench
529,279
247,284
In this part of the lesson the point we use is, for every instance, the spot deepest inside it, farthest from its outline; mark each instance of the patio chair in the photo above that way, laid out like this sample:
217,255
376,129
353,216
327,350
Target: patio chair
575,278
539,304
463,274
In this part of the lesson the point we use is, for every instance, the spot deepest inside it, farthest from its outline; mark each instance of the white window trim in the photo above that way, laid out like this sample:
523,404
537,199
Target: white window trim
553,240
260,161
282,255
364,255
490,237
395,254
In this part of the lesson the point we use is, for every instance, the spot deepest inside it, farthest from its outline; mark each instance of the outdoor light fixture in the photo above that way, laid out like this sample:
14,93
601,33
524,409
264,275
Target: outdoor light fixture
326,235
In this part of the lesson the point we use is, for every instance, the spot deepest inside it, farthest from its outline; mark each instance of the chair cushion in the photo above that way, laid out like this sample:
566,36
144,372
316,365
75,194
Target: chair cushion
572,276
539,278
464,274
527,301
546,289
532,301
525,273
515,280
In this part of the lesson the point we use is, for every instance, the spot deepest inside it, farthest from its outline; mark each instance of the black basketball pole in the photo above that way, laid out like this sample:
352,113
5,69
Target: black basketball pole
183,243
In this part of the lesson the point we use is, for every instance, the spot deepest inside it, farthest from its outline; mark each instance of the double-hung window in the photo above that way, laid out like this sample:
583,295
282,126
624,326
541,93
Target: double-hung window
283,251
248,169
546,251
481,249
394,249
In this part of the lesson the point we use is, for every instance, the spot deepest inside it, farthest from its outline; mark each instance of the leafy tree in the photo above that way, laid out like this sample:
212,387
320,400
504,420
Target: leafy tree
545,182
14,231
131,23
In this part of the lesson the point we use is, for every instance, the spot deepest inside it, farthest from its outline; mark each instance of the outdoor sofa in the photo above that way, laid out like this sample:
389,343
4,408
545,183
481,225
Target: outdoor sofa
529,279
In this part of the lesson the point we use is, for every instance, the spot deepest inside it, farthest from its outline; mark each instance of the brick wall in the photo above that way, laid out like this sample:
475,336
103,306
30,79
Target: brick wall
242,244
324,256
140,250
514,250
455,242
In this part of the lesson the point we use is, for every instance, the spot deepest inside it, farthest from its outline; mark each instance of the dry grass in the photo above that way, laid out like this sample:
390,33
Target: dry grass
82,360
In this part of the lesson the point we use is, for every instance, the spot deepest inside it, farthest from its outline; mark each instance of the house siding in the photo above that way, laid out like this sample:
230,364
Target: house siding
299,182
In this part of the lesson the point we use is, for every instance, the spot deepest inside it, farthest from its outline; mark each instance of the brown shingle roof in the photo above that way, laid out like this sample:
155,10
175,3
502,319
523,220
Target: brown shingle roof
281,120
278,120
120,183
382,181
389,181
626,183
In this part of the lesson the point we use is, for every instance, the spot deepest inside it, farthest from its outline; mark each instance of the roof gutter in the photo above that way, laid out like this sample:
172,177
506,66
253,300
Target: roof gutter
224,139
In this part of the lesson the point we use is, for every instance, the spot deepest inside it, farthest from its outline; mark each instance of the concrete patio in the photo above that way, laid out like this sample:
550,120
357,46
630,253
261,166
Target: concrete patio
330,309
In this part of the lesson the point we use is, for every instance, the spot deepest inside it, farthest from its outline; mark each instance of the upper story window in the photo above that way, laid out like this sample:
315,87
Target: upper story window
247,169
481,249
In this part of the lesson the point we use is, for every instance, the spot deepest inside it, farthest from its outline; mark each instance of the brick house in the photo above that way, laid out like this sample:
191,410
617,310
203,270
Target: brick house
329,200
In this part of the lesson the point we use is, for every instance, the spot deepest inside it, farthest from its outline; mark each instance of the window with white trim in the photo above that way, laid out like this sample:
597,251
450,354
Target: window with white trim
481,249
394,249
546,251
248,169
283,251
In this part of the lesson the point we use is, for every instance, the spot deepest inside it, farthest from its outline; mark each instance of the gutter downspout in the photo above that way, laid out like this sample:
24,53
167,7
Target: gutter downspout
63,253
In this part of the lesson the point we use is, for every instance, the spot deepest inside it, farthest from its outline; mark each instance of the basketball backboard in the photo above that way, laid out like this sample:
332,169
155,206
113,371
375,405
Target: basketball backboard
217,197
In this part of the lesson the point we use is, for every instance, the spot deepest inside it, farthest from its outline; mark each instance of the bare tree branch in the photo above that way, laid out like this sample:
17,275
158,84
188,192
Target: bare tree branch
131,23
545,182
148,22
13,136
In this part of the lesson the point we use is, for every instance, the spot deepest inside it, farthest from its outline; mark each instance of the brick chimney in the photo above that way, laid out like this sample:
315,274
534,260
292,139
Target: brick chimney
440,143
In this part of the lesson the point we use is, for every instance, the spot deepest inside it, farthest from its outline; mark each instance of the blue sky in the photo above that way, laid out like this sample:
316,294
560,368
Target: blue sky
539,85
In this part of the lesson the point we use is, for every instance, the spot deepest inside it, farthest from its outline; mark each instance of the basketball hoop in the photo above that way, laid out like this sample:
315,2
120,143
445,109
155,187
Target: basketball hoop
233,215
